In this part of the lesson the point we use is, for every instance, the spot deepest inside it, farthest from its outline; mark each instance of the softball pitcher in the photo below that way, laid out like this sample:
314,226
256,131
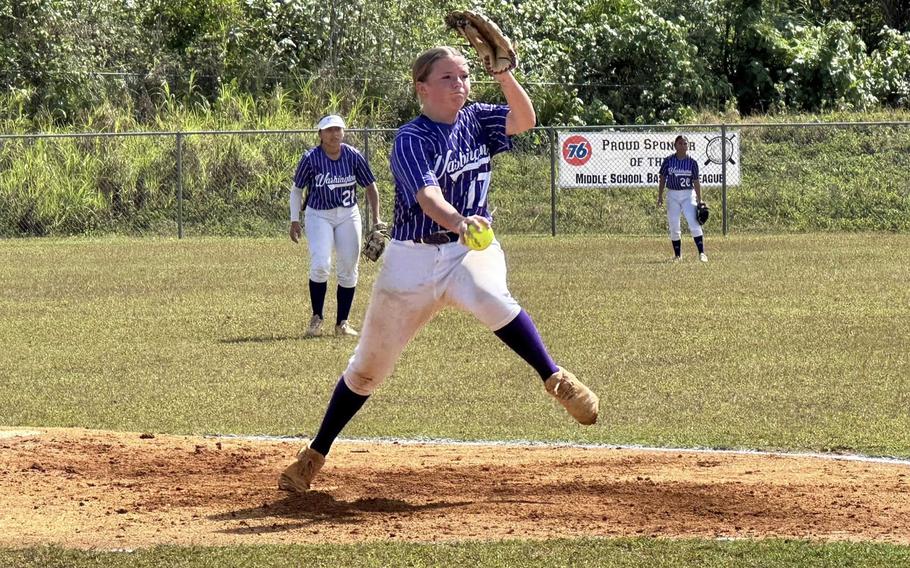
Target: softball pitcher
331,171
441,165
679,173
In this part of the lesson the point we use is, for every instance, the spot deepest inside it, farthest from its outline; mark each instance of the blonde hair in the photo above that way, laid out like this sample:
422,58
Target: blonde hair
424,62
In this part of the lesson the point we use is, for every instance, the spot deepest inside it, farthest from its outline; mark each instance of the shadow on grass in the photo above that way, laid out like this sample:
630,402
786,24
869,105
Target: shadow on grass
264,339
317,507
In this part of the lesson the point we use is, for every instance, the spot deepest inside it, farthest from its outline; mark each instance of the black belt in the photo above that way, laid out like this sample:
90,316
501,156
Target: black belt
440,238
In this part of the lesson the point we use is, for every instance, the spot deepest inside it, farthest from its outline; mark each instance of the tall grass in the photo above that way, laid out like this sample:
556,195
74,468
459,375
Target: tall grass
65,186
794,179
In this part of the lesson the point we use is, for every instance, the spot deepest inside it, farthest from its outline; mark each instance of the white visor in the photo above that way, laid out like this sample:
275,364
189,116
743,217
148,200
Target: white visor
330,121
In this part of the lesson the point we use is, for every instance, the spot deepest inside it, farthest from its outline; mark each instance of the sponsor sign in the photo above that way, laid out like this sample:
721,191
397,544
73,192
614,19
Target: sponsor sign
633,159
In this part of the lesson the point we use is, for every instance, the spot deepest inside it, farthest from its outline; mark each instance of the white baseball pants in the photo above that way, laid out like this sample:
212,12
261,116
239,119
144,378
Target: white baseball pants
338,228
416,281
684,202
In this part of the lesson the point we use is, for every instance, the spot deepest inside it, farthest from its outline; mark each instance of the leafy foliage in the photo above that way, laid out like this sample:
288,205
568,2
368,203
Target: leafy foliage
829,69
890,68
51,48
598,62
658,71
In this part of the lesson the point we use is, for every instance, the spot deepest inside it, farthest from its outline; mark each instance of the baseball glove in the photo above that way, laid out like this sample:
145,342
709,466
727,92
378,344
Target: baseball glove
495,50
702,213
374,244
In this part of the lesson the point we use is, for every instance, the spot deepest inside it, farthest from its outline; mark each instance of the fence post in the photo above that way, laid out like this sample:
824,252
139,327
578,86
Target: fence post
179,185
366,155
552,132
723,175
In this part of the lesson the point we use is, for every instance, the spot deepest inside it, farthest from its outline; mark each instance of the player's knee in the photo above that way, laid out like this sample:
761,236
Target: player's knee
319,270
361,383
347,282
347,278
675,235
495,310
505,317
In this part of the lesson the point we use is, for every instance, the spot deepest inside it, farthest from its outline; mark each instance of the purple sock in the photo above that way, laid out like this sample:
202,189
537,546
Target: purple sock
342,407
522,337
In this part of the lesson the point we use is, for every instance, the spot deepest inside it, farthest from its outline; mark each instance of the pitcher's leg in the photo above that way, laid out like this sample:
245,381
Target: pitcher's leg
343,405
522,337
391,321
478,285
401,303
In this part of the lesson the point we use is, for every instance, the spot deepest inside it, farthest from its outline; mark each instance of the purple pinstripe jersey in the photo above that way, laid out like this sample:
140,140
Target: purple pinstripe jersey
332,182
455,157
679,173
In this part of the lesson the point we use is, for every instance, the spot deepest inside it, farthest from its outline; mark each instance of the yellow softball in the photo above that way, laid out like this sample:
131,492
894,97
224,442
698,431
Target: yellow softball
478,239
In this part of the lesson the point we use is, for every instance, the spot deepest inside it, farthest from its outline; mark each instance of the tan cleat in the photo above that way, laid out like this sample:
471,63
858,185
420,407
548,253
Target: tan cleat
344,328
579,400
297,477
315,327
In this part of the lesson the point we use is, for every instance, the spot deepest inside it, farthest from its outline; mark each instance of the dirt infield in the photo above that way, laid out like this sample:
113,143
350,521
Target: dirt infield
96,489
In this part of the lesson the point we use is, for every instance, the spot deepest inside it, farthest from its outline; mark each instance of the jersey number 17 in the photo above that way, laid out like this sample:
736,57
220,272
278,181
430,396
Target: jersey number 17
482,180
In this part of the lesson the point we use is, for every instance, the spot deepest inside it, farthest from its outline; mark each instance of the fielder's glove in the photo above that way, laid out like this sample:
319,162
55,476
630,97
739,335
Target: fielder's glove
495,50
374,245
702,213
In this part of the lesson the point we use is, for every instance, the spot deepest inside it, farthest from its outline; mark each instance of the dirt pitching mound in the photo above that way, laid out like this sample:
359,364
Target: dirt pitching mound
96,489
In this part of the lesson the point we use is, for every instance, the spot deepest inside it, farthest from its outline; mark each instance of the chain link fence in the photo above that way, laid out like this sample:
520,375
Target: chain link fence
788,177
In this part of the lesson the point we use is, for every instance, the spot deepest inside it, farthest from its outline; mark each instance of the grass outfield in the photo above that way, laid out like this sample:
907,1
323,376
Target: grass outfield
788,342
798,342
626,553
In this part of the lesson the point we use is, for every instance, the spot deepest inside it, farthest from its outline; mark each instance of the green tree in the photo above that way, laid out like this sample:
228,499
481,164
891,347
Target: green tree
829,69
890,68
59,50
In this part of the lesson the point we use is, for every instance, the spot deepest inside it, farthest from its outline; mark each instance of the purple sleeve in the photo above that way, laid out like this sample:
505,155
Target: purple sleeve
362,170
304,173
664,167
411,166
492,119
695,176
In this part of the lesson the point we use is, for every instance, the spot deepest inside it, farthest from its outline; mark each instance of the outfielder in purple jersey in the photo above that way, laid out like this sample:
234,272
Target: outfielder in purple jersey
679,174
442,169
332,182
330,173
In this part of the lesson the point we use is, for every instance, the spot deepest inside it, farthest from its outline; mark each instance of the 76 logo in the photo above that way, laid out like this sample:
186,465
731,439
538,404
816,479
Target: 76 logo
576,150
